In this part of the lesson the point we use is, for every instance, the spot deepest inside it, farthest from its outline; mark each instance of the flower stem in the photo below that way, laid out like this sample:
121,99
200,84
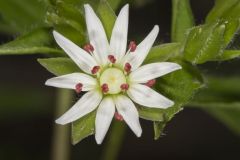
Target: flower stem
60,140
115,140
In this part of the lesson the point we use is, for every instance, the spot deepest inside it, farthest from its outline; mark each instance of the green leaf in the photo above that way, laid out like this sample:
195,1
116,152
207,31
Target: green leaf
83,127
162,52
20,16
231,32
224,10
182,19
68,19
114,4
107,16
80,3
178,86
204,43
228,54
35,42
208,42
59,66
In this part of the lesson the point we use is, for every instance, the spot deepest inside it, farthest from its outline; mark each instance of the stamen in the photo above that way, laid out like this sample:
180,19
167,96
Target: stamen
95,69
132,46
124,87
150,83
105,88
89,48
111,58
118,116
127,67
78,88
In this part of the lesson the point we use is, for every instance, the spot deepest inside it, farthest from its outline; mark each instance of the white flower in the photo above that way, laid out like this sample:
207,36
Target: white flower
113,76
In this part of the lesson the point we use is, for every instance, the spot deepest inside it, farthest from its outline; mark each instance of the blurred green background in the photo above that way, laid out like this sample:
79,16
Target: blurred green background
27,106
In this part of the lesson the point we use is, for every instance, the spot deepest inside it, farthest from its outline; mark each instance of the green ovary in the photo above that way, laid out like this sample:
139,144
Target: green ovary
114,78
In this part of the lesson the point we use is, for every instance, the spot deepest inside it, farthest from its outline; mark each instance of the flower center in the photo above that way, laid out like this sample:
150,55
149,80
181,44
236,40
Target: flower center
114,78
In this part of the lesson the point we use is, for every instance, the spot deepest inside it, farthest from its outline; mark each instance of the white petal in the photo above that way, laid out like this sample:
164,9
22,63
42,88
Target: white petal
129,113
137,57
103,119
152,71
145,96
97,35
71,80
118,42
85,105
78,55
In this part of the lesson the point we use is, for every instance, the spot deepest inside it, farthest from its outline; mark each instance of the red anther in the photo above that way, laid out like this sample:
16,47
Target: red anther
150,83
105,88
89,48
118,116
111,58
78,87
132,46
127,67
124,87
95,69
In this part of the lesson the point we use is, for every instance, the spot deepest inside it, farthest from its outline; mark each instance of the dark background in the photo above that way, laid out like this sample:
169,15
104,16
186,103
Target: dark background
27,107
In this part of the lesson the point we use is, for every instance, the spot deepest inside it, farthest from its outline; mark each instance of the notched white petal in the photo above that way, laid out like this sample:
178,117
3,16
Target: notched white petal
137,57
118,42
129,113
70,80
103,119
146,96
78,55
152,71
85,105
97,35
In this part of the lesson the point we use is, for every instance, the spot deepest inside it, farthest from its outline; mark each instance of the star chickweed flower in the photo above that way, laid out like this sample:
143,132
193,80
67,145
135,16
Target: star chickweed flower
114,77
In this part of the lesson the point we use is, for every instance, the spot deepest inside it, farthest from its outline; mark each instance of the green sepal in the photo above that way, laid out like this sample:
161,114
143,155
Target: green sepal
59,66
158,129
162,52
83,127
152,114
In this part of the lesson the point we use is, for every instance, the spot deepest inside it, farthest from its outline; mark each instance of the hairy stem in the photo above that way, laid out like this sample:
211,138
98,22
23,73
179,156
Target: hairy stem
115,140
60,140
